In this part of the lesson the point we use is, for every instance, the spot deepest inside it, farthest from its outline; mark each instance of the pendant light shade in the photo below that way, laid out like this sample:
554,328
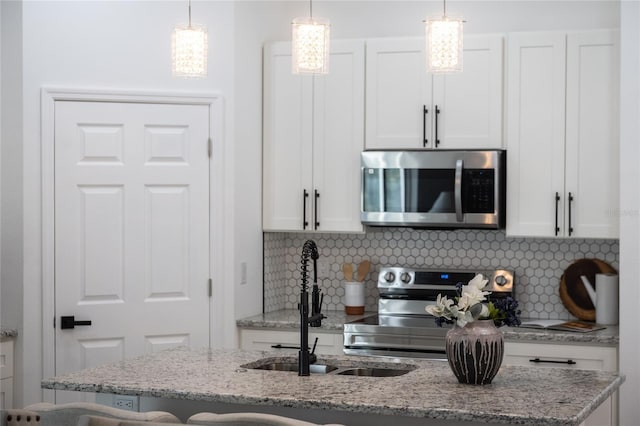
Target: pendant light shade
444,44
189,49
310,45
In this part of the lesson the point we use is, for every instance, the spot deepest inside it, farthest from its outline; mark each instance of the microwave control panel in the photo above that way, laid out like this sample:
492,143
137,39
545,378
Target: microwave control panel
478,191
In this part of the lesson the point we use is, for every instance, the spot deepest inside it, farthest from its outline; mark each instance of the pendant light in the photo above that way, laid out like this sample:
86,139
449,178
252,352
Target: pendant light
444,43
189,49
310,44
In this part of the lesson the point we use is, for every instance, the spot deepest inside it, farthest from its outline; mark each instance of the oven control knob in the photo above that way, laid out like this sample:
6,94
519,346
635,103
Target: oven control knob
501,280
389,277
405,277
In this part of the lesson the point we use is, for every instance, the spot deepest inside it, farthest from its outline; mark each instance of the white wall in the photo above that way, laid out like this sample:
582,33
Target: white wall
630,209
105,45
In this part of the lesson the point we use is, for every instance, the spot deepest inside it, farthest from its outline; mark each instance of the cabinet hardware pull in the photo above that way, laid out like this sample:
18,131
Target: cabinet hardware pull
425,111
551,361
315,207
305,195
281,346
557,202
437,114
570,225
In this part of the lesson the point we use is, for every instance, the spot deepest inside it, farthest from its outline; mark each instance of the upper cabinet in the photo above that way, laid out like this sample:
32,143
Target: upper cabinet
562,134
313,136
408,108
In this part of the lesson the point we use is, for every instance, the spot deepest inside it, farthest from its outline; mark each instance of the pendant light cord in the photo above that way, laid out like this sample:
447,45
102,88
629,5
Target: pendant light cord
189,13
445,7
311,8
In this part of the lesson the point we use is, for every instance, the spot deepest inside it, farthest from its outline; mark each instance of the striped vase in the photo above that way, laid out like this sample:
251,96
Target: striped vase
475,352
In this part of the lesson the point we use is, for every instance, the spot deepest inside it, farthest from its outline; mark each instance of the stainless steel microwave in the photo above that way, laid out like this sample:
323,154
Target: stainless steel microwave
434,188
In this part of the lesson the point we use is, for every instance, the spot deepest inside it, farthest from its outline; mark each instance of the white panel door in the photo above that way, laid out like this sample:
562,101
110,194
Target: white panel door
338,139
397,91
592,174
131,230
470,103
535,133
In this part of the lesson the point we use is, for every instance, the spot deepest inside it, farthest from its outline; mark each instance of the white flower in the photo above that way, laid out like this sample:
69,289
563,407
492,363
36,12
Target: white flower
469,306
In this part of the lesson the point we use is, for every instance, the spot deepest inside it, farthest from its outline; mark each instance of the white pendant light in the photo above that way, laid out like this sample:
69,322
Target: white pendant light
189,49
310,44
444,43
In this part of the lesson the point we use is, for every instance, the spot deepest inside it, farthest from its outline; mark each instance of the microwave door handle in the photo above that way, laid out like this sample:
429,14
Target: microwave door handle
457,191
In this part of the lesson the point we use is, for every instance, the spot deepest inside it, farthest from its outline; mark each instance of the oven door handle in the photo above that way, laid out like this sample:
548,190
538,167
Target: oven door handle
457,191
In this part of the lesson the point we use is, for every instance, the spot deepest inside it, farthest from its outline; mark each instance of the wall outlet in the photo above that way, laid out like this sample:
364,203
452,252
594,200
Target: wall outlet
126,402
323,270
243,272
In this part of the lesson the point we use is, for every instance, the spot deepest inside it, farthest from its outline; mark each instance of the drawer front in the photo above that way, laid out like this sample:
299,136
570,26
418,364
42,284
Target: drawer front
561,356
6,359
288,342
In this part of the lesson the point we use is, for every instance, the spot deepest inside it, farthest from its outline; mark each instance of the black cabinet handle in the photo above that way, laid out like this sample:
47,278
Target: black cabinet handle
551,361
557,202
437,114
69,322
425,111
305,195
570,226
315,207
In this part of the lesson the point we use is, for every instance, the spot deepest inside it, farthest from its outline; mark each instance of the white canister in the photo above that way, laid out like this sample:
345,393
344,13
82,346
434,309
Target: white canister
607,299
354,297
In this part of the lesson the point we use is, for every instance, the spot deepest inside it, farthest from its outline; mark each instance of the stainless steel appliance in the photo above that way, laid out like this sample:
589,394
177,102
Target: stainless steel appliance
434,188
402,328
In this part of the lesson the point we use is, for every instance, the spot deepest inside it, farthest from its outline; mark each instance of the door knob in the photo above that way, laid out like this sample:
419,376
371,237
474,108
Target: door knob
70,322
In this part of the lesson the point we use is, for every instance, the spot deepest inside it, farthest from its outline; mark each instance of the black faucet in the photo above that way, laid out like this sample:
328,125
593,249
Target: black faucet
309,250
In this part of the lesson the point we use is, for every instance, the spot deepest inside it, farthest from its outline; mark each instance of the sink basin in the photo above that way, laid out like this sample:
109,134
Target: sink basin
290,366
373,372
365,369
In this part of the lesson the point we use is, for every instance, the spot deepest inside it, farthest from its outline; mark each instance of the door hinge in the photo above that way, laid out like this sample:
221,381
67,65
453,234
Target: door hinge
209,147
210,287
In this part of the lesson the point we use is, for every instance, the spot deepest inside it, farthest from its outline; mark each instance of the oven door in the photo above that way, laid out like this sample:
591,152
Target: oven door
395,336
454,189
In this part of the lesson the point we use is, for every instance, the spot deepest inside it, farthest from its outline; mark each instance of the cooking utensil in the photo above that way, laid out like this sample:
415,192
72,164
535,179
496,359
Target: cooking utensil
347,270
363,270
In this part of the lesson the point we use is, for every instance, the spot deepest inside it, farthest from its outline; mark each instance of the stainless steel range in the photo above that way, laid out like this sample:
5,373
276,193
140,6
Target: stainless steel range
402,328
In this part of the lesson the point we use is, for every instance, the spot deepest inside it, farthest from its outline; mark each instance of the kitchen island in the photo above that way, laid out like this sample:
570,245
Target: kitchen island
429,393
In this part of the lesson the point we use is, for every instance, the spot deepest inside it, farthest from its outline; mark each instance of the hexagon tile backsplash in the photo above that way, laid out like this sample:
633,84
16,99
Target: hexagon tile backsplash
537,263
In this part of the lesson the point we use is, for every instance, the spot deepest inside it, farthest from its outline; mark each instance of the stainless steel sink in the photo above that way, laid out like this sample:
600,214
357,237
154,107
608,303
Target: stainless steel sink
290,366
373,372
367,369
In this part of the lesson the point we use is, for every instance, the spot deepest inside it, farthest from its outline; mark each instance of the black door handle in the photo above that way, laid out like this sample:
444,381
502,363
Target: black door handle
437,137
70,322
425,111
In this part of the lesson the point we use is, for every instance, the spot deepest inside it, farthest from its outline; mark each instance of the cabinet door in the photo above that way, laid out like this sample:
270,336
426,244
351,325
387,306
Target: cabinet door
535,133
338,139
287,148
592,166
470,103
397,91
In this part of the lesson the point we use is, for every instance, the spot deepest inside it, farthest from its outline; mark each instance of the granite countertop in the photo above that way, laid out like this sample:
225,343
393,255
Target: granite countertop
7,332
290,319
430,391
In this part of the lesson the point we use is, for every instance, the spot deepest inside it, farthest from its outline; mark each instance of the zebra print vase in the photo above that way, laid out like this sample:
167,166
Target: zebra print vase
475,352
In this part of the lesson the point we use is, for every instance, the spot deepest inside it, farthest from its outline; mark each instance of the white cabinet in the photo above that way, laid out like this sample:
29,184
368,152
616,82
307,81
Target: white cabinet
289,341
562,137
6,373
313,137
408,108
584,357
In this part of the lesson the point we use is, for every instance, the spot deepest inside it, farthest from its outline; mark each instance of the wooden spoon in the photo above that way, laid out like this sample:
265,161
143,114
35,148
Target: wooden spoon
347,270
363,270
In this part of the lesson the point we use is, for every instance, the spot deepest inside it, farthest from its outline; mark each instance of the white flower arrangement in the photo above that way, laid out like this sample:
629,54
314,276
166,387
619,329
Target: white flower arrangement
470,306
